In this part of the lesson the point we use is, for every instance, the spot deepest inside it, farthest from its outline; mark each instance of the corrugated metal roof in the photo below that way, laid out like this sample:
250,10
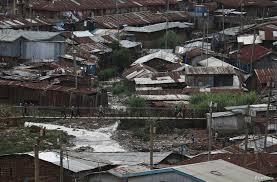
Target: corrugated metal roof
129,44
220,170
246,3
9,35
75,164
79,5
265,163
214,62
158,27
138,18
137,71
259,52
210,71
266,75
19,22
46,87
123,158
169,57
122,171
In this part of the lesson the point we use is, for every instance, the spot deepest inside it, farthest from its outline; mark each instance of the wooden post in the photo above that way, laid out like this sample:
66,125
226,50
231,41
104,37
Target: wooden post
61,159
270,85
36,150
151,144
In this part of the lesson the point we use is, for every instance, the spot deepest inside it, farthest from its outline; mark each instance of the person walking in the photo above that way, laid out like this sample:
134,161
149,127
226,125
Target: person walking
101,111
72,111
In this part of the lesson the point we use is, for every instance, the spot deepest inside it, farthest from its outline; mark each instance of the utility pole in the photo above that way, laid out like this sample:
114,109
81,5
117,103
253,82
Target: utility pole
151,146
36,150
74,55
61,159
166,31
247,121
270,84
211,106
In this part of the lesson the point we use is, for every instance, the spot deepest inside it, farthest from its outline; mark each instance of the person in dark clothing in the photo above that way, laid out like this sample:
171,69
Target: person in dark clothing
72,111
25,109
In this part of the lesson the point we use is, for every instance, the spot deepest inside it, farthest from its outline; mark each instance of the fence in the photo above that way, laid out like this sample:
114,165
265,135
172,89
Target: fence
107,112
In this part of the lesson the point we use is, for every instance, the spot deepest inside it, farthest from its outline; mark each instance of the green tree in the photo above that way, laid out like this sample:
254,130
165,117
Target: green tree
173,40
121,58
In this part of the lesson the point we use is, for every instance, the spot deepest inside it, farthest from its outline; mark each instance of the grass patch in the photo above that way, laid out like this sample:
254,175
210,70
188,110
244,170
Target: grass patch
19,140
201,101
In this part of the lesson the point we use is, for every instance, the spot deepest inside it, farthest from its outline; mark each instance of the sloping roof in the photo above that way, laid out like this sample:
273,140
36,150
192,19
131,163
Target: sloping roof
9,35
129,44
220,170
122,171
211,171
191,46
265,163
123,158
158,27
266,75
75,164
237,3
138,71
169,57
210,71
214,62
79,5
19,22
259,52
162,78
45,87
83,33
139,18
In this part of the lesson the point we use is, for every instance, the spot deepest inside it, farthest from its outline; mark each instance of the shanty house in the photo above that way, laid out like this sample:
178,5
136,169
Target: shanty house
20,167
253,8
254,56
151,35
262,77
31,45
208,77
226,121
160,61
85,8
211,171
44,94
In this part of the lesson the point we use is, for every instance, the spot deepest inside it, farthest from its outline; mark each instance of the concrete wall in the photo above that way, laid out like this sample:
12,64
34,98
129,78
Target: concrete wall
228,123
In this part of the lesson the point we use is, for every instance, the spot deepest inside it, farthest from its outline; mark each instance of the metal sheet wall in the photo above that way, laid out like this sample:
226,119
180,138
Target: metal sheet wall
42,50
10,49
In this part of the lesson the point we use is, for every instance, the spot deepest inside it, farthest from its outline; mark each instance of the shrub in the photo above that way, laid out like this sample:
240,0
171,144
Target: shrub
135,101
108,73
122,87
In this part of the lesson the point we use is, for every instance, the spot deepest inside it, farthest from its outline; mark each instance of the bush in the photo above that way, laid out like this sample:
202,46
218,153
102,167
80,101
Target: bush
173,40
122,58
201,101
135,101
108,73
122,87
